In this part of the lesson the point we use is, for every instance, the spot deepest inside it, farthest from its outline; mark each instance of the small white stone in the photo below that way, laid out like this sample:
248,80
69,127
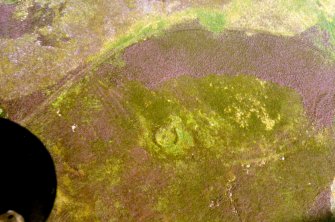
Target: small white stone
58,113
74,127
283,158
248,165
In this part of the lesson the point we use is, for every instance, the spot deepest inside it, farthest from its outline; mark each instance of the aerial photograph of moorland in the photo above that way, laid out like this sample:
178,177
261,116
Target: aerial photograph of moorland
172,110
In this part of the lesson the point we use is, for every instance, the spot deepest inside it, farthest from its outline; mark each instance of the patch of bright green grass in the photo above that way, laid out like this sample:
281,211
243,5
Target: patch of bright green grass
280,17
213,20
327,25
2,112
9,2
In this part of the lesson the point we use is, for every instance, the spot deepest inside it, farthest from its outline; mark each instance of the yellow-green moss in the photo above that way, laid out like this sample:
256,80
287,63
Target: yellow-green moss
214,113
169,139
8,2
250,139
232,122
3,114
186,150
213,20
77,100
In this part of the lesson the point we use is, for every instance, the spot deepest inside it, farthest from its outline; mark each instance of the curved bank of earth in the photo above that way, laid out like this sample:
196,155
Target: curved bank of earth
164,139
287,61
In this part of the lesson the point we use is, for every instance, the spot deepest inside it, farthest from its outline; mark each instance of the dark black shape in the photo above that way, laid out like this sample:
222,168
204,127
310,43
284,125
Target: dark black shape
27,173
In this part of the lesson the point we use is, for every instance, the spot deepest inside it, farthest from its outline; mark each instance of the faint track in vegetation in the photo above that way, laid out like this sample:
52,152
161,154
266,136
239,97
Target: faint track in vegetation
69,80
88,70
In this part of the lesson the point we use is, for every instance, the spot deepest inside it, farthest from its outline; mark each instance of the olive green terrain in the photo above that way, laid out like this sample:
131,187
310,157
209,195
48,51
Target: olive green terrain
213,148
203,149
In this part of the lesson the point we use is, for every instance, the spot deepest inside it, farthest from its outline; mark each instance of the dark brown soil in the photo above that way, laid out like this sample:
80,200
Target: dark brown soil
290,62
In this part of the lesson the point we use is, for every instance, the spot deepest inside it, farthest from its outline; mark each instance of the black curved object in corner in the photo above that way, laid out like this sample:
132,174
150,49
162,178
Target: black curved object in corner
28,177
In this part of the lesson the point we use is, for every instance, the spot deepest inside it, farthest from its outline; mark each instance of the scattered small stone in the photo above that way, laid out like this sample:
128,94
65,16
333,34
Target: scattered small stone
212,204
58,113
282,158
74,127
262,163
248,165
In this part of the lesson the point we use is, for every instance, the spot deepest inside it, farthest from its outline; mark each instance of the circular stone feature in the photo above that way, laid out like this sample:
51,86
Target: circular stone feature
166,137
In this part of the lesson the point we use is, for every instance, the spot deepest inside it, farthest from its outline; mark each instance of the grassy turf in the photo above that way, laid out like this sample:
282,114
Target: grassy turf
190,150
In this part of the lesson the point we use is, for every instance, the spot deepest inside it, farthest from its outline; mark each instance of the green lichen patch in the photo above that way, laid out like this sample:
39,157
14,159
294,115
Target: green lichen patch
326,40
241,137
170,139
9,2
214,21
193,149
2,112
78,101
215,113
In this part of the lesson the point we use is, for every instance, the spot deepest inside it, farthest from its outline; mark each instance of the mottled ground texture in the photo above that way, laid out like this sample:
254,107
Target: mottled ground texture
177,134
222,116
11,27
287,61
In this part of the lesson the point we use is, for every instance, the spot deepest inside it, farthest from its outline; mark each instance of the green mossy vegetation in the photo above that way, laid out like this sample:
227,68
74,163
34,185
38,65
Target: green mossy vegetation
3,113
195,149
210,19
326,41
212,131
214,143
247,15
9,2
210,109
79,28
78,100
